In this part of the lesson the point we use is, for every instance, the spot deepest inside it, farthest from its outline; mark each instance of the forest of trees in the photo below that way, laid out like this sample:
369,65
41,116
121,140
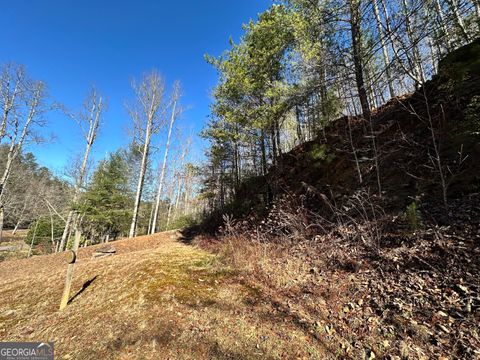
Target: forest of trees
298,67
305,63
148,186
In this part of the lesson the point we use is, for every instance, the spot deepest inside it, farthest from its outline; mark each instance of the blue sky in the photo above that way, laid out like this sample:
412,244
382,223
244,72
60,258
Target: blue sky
74,44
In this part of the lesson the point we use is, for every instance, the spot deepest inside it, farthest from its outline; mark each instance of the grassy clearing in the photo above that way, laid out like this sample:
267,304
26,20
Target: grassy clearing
157,298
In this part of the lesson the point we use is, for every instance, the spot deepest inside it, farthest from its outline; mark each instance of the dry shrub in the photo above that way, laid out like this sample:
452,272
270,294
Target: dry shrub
303,236
350,272
358,217
334,235
292,258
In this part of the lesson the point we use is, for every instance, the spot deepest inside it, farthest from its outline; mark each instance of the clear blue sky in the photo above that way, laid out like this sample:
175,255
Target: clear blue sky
73,44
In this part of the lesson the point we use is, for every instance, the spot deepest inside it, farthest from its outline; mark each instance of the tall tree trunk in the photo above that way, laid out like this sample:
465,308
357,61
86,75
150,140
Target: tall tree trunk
355,23
391,36
188,191
323,94
264,153
149,99
177,199
433,54
9,98
168,216
150,218
386,57
277,132
185,199
66,231
254,153
141,179
236,160
164,165
274,145
299,125
417,66
453,5
16,147
181,180
170,198
93,124
355,26
446,34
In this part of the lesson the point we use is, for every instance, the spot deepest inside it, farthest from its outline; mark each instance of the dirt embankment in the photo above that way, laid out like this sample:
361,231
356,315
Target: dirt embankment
390,275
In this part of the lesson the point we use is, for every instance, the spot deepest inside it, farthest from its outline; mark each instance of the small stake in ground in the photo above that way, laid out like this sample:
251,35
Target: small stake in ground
71,265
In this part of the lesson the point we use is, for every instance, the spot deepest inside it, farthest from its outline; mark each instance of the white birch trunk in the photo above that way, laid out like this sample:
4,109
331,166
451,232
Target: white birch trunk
164,165
16,146
149,95
396,52
141,179
9,98
416,58
94,123
453,5
386,57
443,26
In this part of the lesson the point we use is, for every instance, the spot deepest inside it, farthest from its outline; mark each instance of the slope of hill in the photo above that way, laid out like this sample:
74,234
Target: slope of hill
390,274
417,136
157,298
331,269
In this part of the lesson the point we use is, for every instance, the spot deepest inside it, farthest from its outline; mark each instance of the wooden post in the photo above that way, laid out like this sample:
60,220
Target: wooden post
71,265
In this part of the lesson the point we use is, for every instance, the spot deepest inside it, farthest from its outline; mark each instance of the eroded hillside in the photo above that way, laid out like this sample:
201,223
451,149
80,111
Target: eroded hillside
388,274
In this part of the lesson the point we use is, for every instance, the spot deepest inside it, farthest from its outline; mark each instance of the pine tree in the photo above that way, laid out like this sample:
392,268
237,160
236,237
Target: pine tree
106,205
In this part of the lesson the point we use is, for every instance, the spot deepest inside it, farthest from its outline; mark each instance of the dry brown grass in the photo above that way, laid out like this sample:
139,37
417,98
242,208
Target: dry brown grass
15,241
157,298
299,287
404,299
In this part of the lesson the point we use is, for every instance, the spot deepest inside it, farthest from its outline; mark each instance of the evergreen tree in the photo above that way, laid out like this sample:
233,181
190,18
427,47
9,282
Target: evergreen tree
303,63
107,202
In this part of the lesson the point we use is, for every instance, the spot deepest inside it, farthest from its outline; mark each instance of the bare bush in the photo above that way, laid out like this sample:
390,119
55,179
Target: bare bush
357,219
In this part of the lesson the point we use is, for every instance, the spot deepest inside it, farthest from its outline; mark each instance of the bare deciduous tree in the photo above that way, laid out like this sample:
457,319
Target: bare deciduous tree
147,120
22,101
89,122
173,117
385,54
